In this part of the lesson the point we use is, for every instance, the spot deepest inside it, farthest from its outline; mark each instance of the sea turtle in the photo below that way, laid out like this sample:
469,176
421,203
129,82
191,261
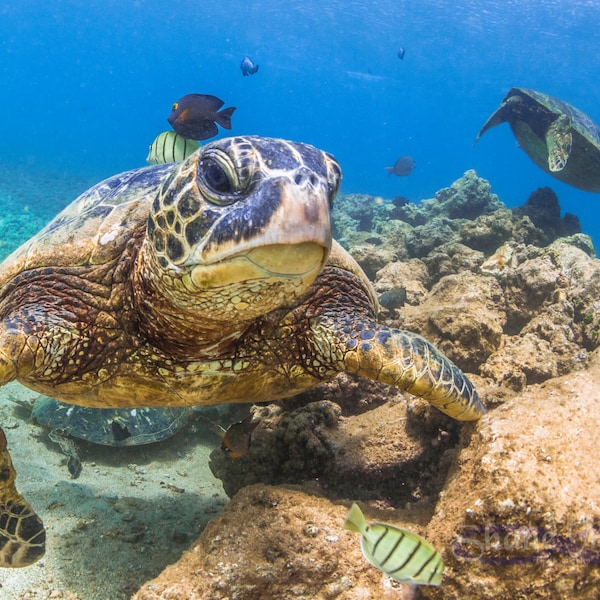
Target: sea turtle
210,281
558,137
111,426
105,426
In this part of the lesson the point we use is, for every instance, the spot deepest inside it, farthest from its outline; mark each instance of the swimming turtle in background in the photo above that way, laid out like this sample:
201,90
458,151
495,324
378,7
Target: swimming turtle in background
558,137
210,281
105,426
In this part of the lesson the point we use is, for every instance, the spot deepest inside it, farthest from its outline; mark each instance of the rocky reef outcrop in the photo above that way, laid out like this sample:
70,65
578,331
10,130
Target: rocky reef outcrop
512,297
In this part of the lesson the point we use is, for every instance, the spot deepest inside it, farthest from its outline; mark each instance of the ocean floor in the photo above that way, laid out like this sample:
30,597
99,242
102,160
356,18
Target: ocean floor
131,512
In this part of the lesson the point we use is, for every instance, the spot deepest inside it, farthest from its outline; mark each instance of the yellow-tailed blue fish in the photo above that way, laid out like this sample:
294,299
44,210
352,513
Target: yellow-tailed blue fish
169,147
399,553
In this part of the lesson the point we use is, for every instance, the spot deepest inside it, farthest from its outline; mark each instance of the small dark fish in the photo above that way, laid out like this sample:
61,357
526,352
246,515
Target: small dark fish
393,299
400,201
404,166
401,53
248,66
195,116
238,437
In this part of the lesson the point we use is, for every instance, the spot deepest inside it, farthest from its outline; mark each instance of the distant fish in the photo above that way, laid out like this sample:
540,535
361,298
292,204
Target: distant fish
169,147
248,66
401,53
400,201
195,116
405,165
399,553
238,437
393,299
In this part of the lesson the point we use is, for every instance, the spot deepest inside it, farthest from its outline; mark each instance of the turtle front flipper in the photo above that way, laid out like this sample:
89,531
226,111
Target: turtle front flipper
559,140
408,361
505,112
22,533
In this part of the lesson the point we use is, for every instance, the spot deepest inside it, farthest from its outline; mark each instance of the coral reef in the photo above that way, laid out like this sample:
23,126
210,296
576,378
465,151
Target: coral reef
512,297
394,451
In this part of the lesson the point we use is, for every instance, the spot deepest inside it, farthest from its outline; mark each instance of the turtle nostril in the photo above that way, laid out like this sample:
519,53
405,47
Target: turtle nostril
304,177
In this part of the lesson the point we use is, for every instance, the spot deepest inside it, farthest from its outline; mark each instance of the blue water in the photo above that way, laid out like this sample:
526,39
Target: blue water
87,85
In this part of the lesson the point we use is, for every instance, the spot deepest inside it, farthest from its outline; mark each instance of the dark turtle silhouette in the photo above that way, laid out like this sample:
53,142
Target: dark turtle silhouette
558,137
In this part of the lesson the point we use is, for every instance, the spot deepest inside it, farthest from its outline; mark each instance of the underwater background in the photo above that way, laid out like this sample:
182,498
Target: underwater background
87,85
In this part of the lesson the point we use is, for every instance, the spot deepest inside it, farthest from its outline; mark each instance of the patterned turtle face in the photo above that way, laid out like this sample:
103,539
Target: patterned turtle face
247,213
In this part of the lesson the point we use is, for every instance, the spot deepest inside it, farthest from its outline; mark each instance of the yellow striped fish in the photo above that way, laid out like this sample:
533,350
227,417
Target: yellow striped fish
169,147
400,554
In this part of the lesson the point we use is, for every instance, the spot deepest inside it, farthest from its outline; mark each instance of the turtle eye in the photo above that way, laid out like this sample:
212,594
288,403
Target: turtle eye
217,178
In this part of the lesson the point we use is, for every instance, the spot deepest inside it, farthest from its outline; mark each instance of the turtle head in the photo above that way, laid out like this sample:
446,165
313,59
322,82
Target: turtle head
243,226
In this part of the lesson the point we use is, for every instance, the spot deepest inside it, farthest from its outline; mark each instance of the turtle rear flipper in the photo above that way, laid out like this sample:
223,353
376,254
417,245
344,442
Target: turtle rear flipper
22,533
559,140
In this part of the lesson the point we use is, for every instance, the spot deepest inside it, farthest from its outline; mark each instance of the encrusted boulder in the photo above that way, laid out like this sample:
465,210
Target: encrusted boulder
522,360
273,542
412,275
393,451
467,198
463,316
519,517
543,209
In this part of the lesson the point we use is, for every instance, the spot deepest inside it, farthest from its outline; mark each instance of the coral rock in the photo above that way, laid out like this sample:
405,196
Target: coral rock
393,452
519,517
463,316
275,543
412,275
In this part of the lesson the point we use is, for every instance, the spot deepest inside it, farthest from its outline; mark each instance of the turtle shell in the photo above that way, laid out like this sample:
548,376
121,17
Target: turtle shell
531,114
110,427
580,122
93,229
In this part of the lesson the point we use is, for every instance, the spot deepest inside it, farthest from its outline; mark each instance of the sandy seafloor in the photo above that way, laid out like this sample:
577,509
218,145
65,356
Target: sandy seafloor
131,512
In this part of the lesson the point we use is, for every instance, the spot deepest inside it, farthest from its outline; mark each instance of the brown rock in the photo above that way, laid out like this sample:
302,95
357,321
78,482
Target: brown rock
462,316
277,543
520,516
393,452
412,275
531,285
556,325
452,258
373,257
522,360
488,231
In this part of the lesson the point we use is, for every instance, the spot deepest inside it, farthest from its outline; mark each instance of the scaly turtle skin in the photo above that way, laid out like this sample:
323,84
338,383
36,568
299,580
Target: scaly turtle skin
558,137
210,281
